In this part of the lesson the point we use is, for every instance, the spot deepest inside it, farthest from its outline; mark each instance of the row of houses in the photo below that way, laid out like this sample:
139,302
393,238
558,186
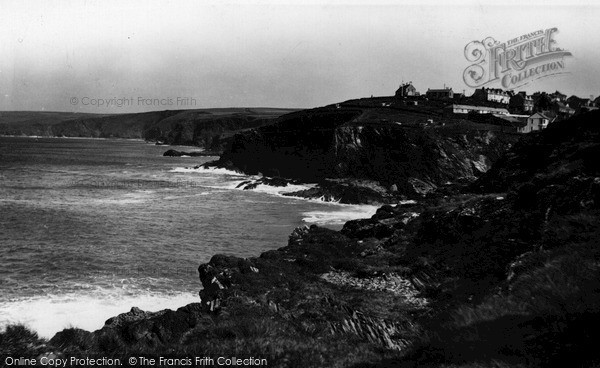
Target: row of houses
523,111
447,93
522,123
516,110
516,102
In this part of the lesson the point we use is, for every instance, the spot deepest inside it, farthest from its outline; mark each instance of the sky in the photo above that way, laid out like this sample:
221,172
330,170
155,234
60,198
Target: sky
130,56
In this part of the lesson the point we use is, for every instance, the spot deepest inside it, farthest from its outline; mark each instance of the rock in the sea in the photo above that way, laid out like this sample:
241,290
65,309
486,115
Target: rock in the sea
274,182
243,184
175,153
348,191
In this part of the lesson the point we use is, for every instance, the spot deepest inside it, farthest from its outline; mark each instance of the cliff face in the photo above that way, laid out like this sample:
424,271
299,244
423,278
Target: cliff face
36,123
111,126
207,128
356,143
416,157
299,145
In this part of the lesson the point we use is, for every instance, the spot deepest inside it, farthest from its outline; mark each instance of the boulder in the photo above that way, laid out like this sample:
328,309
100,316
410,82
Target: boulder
219,274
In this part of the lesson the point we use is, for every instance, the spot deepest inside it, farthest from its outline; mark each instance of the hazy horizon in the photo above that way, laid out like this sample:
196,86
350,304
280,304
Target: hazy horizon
55,55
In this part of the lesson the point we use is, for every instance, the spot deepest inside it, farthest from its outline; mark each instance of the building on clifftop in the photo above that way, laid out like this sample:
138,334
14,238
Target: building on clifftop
439,94
492,95
406,90
537,121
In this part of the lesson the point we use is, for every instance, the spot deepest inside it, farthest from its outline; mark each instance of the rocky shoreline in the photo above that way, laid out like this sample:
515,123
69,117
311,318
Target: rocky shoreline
340,191
345,191
502,274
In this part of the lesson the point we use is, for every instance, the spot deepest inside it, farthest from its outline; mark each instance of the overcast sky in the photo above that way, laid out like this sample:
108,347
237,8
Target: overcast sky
266,53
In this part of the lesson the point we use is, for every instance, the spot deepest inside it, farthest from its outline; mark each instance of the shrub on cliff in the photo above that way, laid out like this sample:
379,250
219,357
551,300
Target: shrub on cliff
19,341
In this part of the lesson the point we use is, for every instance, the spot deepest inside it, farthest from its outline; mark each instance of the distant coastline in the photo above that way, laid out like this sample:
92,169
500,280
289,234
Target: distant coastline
56,137
208,128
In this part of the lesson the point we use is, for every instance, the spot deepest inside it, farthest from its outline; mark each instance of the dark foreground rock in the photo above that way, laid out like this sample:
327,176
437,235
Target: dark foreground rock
282,306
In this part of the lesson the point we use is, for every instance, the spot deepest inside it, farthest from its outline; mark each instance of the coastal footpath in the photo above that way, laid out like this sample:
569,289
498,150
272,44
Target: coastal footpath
499,272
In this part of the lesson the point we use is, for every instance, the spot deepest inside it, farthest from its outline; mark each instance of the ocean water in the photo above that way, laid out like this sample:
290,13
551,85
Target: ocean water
90,228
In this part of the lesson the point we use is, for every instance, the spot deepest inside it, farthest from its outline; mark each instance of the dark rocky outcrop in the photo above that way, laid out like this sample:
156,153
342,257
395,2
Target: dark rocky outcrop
135,329
274,182
347,191
370,144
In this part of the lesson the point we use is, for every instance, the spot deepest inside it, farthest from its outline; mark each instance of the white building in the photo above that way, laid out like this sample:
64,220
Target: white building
465,109
492,95
537,121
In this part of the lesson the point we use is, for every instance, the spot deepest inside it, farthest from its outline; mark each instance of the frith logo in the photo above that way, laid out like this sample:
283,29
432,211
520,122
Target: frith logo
515,62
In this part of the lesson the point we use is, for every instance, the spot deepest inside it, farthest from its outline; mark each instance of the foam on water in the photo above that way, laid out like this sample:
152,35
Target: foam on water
203,169
183,170
336,213
234,178
60,200
50,314
408,201
269,189
339,214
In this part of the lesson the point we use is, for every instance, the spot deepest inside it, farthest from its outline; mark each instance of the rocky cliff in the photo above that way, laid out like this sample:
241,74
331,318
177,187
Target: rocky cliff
400,150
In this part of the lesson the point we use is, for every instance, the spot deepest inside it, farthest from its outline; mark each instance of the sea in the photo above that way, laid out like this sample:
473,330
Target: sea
90,228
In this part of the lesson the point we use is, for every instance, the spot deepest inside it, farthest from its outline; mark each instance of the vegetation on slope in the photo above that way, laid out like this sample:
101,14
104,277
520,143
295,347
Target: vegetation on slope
509,273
